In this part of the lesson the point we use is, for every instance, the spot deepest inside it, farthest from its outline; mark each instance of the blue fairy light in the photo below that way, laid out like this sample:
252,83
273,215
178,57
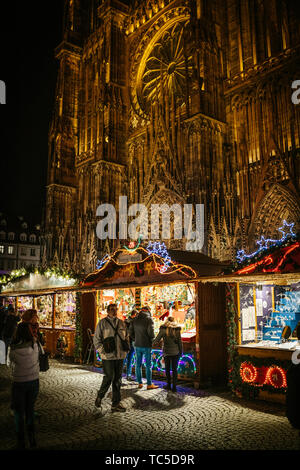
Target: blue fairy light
160,249
266,243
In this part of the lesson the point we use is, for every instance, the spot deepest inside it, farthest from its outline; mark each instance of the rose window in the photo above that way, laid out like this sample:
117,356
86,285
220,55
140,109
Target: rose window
168,68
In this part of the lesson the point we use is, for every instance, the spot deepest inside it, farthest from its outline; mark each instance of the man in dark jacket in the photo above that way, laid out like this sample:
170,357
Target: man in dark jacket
141,331
10,326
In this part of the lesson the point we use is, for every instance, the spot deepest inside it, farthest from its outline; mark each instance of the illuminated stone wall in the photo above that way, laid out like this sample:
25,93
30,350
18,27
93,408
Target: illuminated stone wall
174,101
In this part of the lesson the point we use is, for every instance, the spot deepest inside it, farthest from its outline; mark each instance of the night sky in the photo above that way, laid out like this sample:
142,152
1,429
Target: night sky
30,31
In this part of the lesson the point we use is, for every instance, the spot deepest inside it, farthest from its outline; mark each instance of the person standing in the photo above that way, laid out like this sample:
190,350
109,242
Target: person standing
108,337
24,360
9,328
129,357
169,332
141,330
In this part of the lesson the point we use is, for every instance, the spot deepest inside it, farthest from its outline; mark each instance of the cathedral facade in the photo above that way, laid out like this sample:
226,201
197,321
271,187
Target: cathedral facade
183,101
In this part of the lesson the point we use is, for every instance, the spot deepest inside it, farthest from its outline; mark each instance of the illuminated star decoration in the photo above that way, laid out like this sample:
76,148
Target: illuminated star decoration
266,243
286,234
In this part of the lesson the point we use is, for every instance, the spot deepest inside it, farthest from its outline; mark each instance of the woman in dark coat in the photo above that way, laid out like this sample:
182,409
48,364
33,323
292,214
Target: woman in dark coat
169,333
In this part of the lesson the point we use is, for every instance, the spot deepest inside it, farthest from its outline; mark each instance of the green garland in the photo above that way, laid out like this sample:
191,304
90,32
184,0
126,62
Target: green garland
231,329
78,329
18,274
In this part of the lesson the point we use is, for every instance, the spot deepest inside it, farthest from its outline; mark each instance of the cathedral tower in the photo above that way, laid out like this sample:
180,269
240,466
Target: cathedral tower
183,101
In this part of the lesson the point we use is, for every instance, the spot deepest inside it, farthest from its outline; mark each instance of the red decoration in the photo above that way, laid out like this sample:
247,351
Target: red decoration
248,372
276,377
259,376
285,259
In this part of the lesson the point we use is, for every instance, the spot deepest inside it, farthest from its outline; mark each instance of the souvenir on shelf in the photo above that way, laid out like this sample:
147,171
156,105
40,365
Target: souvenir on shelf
24,303
65,311
124,298
44,308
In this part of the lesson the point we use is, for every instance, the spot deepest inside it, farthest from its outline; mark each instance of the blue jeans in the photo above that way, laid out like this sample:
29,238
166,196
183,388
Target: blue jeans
128,361
140,352
24,395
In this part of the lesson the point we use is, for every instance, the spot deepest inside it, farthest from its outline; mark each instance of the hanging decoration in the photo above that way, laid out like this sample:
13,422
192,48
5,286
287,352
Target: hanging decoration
264,244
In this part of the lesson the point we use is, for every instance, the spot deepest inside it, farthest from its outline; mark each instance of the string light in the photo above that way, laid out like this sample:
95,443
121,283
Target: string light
272,375
254,376
248,372
155,251
160,249
266,243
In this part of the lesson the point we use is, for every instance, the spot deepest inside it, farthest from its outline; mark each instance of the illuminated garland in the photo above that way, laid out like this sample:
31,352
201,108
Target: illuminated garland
160,250
265,244
186,364
17,274
154,250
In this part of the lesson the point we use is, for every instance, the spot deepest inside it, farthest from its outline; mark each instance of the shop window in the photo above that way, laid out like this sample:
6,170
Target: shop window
265,311
65,311
176,300
44,308
24,303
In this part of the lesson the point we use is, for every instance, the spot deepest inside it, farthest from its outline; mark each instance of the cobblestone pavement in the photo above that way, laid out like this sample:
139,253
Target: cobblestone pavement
154,420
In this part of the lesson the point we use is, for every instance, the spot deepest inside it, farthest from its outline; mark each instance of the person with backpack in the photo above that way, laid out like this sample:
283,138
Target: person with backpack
112,343
141,331
169,333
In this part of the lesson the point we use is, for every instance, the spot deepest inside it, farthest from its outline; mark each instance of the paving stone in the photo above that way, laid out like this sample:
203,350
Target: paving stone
154,420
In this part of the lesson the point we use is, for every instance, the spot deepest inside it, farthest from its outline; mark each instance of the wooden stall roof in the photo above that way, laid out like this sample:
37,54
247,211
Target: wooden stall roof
120,270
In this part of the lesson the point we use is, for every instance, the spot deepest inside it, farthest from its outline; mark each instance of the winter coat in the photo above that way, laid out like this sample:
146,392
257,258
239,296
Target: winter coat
172,345
10,326
141,330
128,322
24,360
104,330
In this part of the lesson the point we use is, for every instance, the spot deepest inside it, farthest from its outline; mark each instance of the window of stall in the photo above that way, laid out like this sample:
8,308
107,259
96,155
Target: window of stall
24,303
44,307
265,310
65,311
177,300
124,298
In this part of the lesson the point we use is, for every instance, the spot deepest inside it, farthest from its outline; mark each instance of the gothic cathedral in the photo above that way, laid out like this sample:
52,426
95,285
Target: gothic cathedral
176,101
